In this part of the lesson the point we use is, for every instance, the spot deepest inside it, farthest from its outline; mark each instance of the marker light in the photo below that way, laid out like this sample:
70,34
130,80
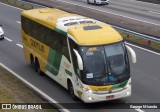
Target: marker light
87,90
127,93
90,98
128,85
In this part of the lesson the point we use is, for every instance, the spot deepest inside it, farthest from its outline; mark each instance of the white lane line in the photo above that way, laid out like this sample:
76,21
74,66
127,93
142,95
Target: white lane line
139,110
143,49
109,12
97,10
8,39
148,3
158,13
18,22
34,88
45,95
11,6
127,43
19,45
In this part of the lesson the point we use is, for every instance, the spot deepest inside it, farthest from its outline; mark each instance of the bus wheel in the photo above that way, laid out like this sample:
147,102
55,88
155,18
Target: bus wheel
95,3
71,90
32,61
37,67
88,2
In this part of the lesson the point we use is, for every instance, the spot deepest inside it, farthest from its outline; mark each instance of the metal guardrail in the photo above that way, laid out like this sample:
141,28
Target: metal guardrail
147,37
29,3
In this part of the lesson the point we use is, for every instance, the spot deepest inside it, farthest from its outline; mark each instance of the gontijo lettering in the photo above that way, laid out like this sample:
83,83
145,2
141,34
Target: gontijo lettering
37,45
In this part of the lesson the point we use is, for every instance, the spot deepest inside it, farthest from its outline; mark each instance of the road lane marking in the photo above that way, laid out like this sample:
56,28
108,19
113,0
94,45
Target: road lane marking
41,92
158,13
148,3
8,39
11,6
139,110
18,22
127,43
97,10
19,45
35,88
109,12
143,48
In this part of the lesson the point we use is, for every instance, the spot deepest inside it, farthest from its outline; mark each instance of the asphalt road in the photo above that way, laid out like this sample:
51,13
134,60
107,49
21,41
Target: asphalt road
130,14
135,10
145,74
151,1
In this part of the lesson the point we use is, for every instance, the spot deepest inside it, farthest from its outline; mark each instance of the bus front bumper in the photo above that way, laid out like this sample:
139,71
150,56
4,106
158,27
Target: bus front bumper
91,97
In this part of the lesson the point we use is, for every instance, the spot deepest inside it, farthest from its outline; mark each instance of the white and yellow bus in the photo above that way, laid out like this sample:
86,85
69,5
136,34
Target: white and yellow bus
85,56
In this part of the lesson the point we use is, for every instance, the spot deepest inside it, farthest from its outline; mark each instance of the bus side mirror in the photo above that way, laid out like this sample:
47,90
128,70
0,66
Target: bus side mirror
79,60
133,54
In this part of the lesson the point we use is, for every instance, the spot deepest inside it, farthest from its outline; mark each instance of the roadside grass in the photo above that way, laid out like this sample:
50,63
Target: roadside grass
12,90
141,41
18,4
4,95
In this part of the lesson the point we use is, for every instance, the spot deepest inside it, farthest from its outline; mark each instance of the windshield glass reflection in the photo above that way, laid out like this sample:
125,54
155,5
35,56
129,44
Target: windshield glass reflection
105,65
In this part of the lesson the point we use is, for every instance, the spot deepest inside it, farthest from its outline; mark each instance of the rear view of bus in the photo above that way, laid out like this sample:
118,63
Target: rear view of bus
87,57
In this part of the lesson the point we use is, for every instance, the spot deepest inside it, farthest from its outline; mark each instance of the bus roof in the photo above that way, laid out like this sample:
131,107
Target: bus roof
84,31
46,16
95,34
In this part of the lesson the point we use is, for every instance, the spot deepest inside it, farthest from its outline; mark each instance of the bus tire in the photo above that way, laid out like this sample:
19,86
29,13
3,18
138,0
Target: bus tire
32,61
95,3
71,90
37,67
88,2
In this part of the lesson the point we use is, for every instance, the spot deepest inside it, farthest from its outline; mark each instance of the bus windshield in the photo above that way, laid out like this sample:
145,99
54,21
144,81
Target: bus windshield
104,65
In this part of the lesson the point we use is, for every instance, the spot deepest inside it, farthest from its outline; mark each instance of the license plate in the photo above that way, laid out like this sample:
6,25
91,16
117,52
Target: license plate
110,97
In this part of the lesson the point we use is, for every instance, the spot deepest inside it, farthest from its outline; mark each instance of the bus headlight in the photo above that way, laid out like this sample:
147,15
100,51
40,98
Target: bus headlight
128,93
90,98
90,91
87,90
128,85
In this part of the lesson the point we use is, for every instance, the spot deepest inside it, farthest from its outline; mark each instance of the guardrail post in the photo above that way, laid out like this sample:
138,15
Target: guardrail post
127,35
149,42
22,4
15,2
